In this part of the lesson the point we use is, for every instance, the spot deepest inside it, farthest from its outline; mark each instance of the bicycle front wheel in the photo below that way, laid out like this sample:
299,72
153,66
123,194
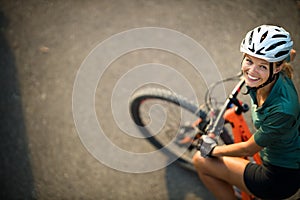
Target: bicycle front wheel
160,115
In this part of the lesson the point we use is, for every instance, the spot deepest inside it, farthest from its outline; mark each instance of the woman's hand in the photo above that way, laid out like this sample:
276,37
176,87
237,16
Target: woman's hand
206,145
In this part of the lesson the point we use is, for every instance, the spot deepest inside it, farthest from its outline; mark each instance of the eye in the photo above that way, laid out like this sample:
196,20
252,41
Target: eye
263,67
248,61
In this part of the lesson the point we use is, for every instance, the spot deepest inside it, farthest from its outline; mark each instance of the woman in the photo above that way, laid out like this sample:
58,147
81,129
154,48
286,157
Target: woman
275,113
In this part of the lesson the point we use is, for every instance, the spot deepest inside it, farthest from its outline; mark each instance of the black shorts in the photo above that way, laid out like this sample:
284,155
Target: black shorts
271,182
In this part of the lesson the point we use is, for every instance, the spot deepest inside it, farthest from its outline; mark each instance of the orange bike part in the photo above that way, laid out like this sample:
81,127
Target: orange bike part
240,129
241,133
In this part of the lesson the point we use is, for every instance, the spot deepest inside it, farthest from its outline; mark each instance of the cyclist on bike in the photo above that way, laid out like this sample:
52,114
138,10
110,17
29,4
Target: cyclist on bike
275,113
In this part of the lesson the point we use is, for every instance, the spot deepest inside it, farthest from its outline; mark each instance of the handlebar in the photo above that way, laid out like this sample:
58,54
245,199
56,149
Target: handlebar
216,126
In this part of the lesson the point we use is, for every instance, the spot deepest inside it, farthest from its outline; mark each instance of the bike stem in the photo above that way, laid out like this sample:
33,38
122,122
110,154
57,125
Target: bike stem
216,126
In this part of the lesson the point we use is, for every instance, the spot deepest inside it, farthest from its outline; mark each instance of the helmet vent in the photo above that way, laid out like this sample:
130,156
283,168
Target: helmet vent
273,46
258,30
263,36
250,38
279,36
281,53
259,51
252,49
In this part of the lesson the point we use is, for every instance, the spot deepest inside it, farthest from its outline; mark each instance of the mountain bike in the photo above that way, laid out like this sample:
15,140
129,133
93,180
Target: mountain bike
179,128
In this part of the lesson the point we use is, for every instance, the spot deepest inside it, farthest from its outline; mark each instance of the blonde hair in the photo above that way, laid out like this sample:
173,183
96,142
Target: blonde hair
287,69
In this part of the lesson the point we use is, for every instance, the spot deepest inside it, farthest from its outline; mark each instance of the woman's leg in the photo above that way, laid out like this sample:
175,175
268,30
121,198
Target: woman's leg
220,174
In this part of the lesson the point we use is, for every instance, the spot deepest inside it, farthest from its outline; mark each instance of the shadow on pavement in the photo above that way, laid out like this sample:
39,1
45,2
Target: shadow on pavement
15,169
190,185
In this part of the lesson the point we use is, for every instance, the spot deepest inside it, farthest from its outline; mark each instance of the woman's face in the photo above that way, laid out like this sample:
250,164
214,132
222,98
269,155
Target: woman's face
255,70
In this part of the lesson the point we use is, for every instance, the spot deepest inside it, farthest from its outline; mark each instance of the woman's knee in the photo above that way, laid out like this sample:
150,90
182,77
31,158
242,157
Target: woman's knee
198,160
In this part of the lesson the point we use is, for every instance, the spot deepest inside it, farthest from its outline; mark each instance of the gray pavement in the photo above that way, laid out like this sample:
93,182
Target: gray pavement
44,43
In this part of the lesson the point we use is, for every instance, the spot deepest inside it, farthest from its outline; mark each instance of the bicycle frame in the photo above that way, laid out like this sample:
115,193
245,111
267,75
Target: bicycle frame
240,129
233,115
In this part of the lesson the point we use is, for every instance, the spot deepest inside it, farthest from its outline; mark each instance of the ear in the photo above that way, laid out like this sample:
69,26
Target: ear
277,69
292,54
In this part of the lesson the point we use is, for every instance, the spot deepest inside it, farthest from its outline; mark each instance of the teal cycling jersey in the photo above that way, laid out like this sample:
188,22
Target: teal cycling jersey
277,124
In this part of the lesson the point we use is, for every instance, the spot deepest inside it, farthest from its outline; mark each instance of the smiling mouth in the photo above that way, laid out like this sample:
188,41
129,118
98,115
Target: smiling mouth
252,78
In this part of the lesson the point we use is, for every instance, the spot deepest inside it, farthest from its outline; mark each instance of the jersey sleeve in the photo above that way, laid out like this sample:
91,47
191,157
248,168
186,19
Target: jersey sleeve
273,127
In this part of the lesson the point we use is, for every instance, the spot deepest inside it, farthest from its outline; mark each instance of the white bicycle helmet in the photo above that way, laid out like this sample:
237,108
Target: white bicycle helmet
271,43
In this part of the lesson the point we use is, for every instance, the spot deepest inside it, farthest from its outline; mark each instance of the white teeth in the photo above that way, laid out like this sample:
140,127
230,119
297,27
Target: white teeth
253,78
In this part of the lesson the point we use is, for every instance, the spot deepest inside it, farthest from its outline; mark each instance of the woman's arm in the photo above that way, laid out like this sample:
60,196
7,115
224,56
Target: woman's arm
241,149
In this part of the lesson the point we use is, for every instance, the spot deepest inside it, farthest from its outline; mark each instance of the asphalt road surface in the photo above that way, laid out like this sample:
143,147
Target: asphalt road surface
44,44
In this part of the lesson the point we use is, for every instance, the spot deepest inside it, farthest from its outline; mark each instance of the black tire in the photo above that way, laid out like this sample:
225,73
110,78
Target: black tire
179,110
